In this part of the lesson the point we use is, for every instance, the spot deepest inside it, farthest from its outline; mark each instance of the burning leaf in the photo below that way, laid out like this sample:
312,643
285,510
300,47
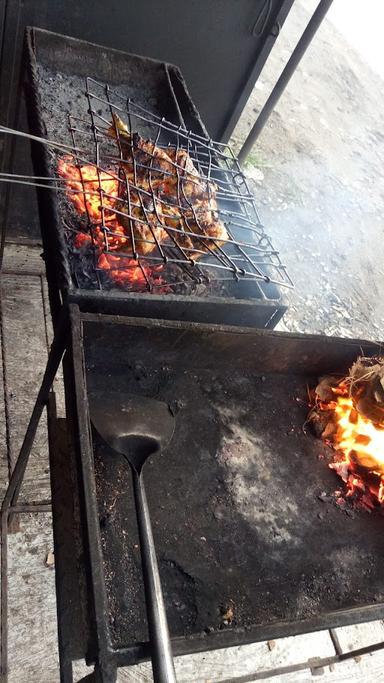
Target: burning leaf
366,388
324,389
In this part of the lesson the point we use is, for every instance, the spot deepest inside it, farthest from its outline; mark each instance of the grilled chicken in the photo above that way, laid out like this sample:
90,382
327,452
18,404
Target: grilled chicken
171,202
142,222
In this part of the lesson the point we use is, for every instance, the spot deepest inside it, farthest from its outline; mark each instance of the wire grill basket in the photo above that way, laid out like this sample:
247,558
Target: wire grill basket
157,207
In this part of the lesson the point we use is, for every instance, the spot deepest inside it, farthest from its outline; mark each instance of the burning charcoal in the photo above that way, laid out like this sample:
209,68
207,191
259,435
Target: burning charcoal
342,469
363,439
341,503
367,503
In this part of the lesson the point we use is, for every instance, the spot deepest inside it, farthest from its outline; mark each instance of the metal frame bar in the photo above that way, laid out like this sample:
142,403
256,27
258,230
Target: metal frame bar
105,664
65,662
285,76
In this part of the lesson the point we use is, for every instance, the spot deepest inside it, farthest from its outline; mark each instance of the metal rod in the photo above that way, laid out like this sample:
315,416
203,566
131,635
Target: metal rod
302,666
161,651
53,363
21,508
36,138
285,77
335,641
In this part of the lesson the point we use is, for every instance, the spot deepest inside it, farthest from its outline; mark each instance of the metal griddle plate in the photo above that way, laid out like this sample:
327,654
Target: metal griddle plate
234,499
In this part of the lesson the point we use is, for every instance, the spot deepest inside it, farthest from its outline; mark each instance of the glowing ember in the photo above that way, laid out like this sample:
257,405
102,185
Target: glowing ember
122,270
83,184
151,201
108,235
358,442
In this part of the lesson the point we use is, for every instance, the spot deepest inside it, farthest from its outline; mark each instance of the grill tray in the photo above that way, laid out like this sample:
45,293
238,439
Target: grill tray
51,95
235,498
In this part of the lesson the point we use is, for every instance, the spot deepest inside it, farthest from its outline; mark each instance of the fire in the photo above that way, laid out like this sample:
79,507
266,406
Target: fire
83,184
359,446
359,436
95,195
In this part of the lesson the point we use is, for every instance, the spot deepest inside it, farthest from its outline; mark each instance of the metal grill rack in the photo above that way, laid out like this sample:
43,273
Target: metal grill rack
170,238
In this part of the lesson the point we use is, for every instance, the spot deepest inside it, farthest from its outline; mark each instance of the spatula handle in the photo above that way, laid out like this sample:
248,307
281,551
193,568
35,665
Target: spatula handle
162,661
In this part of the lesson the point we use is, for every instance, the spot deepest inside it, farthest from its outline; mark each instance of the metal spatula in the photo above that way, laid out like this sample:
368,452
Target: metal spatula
137,427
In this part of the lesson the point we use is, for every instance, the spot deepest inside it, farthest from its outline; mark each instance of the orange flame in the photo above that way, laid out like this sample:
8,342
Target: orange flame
360,446
96,194
83,184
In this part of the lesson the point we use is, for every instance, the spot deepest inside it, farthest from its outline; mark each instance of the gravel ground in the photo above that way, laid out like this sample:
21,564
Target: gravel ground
316,172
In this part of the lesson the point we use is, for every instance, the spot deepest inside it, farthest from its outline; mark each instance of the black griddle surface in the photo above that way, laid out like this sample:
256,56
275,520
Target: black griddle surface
235,504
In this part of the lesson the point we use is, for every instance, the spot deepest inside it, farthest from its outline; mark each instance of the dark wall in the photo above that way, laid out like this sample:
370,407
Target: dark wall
220,45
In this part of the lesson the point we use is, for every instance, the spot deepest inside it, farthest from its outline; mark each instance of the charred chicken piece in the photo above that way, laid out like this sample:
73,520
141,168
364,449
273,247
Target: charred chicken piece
142,220
151,161
173,192
198,223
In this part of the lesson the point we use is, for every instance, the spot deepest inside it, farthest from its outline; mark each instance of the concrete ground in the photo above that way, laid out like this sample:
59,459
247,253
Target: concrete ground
316,172
317,175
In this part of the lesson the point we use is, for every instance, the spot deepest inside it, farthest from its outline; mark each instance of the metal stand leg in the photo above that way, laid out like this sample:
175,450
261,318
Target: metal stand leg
9,505
285,77
94,677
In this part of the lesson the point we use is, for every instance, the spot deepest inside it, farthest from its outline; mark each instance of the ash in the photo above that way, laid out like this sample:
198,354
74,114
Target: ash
274,516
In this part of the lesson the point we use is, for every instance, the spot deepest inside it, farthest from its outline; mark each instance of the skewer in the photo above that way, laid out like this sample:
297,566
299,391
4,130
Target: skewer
36,138
18,179
61,184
